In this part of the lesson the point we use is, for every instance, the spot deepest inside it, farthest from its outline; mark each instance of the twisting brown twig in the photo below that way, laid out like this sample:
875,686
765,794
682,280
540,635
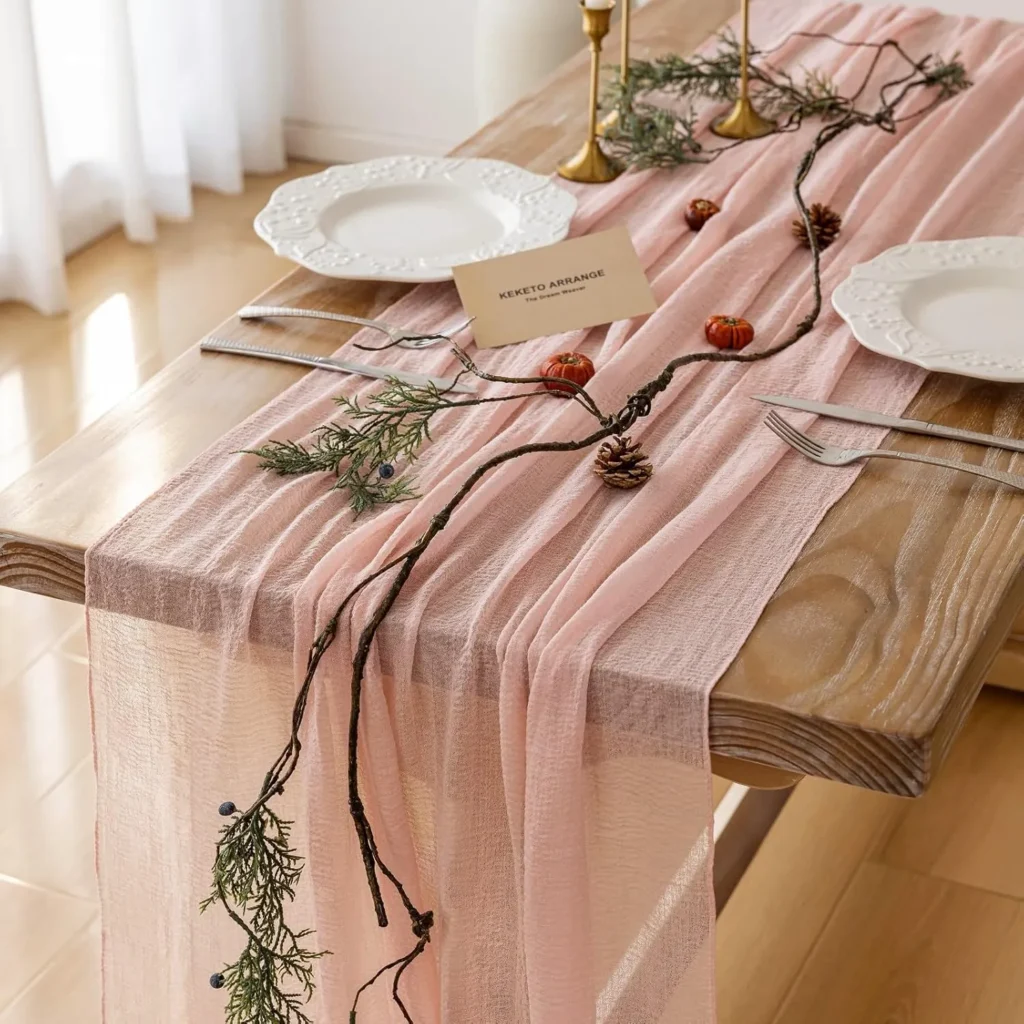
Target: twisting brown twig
256,991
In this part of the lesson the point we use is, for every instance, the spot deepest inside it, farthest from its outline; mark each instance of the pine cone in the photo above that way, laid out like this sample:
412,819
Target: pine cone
826,223
621,464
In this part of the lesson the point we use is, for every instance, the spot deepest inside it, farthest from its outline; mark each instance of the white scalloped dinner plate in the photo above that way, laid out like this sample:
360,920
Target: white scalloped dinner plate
412,218
952,306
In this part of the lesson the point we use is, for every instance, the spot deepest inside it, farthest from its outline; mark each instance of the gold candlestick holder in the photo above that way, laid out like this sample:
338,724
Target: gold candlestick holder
612,119
743,121
591,164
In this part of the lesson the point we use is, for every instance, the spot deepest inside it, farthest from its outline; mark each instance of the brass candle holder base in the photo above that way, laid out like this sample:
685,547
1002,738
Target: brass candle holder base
743,122
590,165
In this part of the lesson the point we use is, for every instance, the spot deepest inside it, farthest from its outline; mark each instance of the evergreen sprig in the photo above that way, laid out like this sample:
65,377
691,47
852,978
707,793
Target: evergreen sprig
648,133
255,874
389,426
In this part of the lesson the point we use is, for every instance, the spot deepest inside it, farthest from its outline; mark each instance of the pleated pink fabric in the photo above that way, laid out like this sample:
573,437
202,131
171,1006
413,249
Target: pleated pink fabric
534,747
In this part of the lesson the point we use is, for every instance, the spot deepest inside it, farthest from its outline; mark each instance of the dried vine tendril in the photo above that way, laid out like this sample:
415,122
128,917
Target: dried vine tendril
256,869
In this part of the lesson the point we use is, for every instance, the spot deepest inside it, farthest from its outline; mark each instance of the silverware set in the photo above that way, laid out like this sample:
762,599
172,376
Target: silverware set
240,348
823,454
831,455
397,337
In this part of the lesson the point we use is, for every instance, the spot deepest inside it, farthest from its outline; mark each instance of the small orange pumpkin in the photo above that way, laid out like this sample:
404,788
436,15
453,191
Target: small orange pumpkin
572,366
728,331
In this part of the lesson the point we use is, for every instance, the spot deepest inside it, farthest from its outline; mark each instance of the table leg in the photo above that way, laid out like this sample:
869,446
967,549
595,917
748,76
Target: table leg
742,820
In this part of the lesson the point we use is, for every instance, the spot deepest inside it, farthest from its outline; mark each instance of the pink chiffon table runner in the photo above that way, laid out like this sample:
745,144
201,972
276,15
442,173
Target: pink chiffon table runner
534,752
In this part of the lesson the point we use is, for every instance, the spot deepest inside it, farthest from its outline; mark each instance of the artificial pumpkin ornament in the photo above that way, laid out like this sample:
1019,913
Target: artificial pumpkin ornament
572,366
699,212
728,331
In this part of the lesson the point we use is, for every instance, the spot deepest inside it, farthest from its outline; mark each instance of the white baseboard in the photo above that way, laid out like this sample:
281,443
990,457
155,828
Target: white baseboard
340,144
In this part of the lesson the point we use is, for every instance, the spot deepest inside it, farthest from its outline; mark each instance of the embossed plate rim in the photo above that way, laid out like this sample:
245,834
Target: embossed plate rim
290,221
869,300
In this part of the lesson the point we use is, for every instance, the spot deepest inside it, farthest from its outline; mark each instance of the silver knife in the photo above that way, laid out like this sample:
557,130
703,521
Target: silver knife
339,365
878,419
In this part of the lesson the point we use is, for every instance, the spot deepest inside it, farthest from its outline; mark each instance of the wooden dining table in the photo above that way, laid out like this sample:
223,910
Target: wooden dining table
913,605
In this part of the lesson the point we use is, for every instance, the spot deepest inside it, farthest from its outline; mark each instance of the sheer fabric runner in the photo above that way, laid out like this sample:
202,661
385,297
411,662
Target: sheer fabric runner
535,749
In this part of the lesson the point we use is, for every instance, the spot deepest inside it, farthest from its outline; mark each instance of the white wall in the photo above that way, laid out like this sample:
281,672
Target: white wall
369,77
374,77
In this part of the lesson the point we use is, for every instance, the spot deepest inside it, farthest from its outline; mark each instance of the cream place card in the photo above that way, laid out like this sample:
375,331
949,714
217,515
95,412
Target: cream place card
583,282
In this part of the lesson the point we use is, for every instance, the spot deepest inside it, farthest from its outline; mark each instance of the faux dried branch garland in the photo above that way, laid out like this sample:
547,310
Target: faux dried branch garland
256,869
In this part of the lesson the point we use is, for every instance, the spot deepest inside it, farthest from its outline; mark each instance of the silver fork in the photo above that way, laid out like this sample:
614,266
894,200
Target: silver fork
827,455
397,336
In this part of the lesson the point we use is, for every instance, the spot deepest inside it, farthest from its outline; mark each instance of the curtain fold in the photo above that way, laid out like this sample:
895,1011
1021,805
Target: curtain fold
30,245
112,110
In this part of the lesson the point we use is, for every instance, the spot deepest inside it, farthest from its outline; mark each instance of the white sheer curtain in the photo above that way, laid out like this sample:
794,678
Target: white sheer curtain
111,110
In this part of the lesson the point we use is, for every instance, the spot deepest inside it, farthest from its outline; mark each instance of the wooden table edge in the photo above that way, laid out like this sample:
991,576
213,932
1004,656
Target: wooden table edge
42,567
753,741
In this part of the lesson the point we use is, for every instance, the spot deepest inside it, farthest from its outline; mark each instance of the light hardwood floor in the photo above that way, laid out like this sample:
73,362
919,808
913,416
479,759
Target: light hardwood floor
859,909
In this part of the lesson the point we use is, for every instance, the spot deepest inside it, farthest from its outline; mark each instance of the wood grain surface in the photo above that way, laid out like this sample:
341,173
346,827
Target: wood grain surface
894,952
784,901
913,580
